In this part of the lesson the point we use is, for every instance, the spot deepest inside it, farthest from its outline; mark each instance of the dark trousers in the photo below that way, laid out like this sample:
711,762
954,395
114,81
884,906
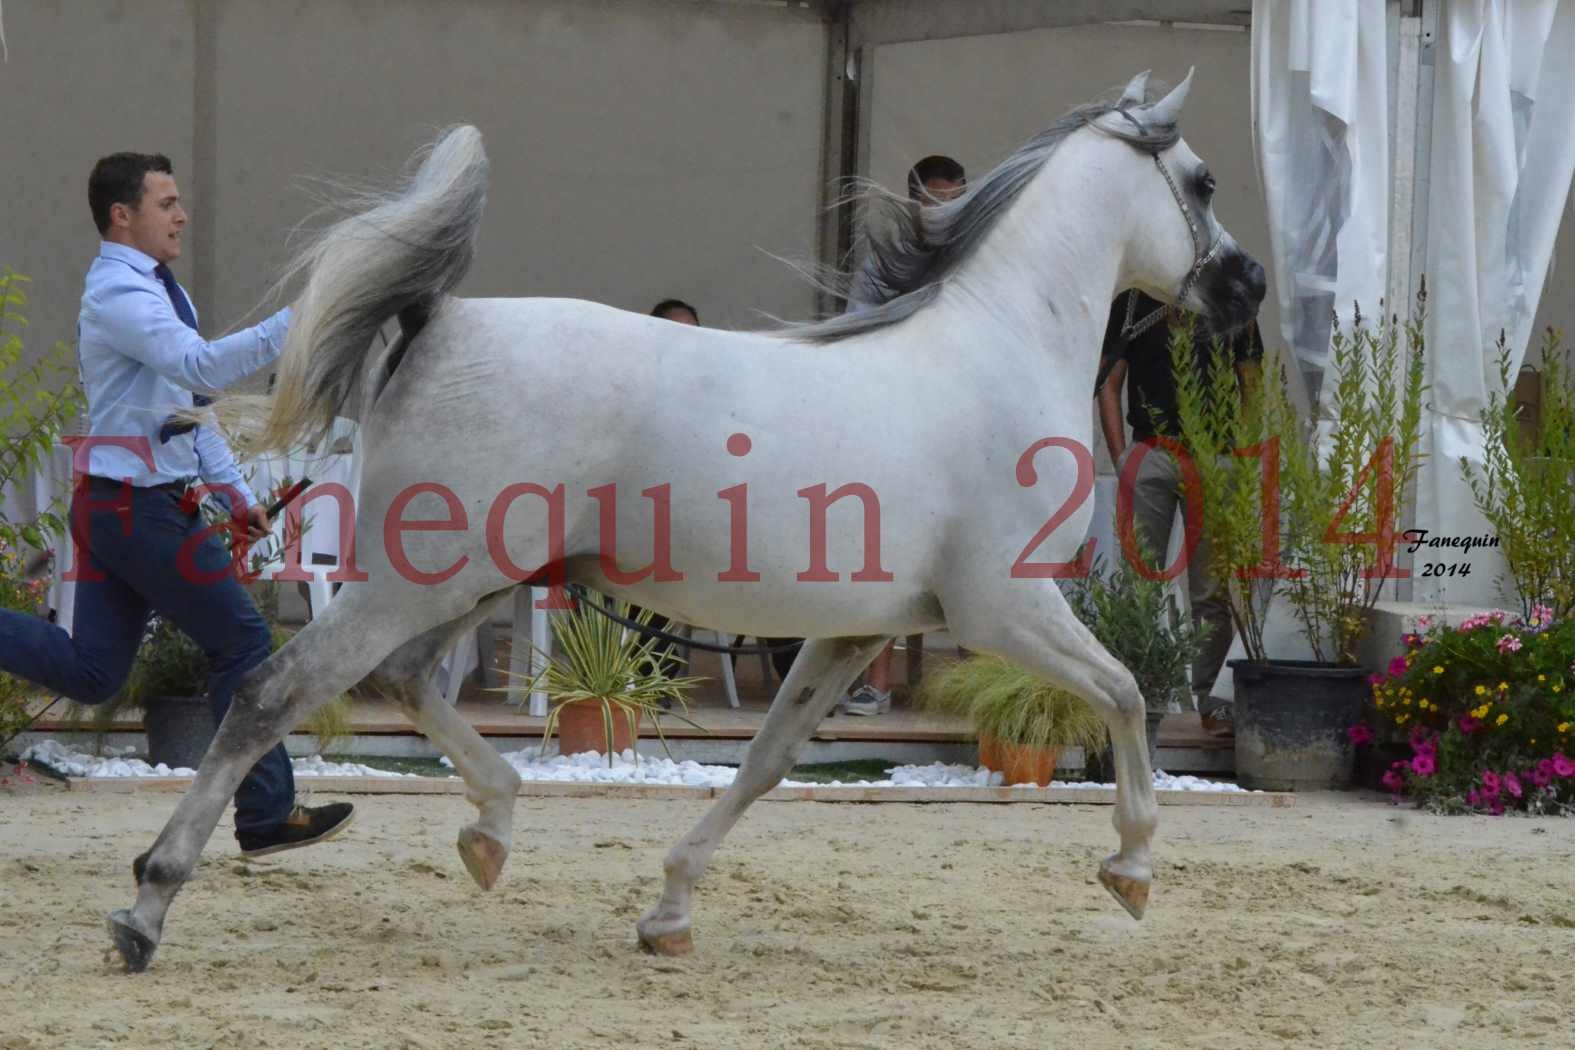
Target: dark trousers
129,560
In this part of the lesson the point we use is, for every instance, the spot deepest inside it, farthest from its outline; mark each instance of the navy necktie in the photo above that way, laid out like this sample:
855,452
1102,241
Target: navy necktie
182,310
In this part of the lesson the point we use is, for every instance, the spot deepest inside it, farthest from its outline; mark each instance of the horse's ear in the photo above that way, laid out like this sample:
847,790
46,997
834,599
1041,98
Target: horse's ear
1168,109
1135,89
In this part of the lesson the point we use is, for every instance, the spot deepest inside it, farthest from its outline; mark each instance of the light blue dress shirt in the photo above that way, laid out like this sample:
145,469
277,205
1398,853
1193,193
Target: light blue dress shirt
139,362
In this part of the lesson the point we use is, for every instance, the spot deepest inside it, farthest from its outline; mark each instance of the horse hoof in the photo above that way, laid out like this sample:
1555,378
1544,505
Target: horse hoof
1132,894
483,856
670,942
135,947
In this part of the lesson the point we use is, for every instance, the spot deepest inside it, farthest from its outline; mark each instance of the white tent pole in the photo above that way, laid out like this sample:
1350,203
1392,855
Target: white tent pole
1409,156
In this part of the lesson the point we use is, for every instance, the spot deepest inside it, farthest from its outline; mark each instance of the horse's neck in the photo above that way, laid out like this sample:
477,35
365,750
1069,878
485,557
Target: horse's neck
1050,267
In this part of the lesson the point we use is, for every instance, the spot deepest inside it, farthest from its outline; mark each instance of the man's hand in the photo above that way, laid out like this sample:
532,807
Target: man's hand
257,524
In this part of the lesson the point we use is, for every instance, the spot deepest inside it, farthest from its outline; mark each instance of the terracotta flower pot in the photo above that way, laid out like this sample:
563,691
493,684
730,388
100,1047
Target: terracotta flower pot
581,728
1018,764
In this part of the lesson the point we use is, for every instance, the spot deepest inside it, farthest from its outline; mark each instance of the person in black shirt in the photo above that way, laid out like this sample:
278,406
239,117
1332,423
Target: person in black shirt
1144,365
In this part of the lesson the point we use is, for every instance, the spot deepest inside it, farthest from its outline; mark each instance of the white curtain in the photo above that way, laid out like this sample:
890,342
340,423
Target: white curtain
1321,137
1503,153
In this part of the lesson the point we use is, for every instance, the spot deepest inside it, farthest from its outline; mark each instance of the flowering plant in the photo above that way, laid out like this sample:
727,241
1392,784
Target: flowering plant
1488,709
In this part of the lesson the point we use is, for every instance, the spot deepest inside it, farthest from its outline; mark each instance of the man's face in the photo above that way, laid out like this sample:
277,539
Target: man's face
939,191
154,226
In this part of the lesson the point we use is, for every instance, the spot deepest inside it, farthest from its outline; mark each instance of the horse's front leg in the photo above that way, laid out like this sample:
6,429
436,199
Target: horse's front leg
821,674
1031,625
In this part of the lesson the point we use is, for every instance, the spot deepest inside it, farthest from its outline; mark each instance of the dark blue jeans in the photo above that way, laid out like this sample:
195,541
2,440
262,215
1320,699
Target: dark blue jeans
129,562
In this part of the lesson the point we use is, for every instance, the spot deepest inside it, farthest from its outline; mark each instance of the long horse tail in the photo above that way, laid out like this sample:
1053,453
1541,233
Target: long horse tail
400,249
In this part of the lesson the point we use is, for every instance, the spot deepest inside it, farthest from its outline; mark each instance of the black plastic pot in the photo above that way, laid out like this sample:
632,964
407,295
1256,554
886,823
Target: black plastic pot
1151,723
179,728
1291,717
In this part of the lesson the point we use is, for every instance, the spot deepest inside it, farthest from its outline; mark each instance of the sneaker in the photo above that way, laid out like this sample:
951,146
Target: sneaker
867,701
304,826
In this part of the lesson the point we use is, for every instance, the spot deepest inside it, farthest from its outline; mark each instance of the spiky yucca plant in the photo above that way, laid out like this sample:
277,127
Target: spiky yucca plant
597,659
1002,700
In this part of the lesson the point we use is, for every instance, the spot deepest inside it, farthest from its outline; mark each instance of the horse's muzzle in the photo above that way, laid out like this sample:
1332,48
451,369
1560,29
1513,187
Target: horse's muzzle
1233,289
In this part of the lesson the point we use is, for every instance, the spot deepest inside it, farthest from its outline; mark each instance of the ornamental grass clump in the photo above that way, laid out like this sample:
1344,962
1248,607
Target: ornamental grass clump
1001,700
1488,710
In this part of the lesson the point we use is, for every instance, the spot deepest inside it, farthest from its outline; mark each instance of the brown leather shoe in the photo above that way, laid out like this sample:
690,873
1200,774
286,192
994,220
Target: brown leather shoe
304,826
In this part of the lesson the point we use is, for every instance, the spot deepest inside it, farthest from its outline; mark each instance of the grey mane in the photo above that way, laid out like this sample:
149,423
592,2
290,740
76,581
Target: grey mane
906,268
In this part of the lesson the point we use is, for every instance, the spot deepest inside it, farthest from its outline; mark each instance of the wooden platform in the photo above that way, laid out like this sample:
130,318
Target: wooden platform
379,727
813,793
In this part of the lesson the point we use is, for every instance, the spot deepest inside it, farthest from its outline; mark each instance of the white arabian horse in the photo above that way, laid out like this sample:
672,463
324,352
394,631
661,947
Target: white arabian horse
522,432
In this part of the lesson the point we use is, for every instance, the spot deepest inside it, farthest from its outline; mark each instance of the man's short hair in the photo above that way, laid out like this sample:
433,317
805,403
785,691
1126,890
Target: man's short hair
935,166
667,306
117,179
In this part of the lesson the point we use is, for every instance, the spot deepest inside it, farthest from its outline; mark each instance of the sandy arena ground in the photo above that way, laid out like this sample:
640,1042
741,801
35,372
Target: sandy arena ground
1341,922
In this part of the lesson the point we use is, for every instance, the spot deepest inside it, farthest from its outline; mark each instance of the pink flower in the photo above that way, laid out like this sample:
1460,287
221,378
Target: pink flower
1512,784
1375,679
1421,741
1540,777
1473,798
1393,781
1359,735
1490,784
1563,766
1423,622
1545,767
1397,667
1423,765
1508,644
1541,616
1469,724
1497,808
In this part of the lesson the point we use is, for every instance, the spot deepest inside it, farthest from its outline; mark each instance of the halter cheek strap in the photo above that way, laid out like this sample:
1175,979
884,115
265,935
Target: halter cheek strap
1203,253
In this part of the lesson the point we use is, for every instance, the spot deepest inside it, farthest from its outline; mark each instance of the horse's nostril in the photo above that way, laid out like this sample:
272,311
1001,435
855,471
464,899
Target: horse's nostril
1257,280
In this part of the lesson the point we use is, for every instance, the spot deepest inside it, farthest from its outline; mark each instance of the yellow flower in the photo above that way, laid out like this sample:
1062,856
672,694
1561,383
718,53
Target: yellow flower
1564,727
1400,719
1407,701
1437,669
1501,720
1503,687
1542,678
1481,690
1558,687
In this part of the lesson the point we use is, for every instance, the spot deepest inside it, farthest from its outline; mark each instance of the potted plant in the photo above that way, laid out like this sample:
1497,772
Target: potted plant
603,680
1023,722
1136,618
1310,515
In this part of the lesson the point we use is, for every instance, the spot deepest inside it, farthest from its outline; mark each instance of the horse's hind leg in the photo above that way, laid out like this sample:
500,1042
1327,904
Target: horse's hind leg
330,655
491,783
1033,627
821,674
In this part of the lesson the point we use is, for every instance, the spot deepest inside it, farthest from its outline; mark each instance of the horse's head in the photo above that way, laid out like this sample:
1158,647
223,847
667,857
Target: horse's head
1177,251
